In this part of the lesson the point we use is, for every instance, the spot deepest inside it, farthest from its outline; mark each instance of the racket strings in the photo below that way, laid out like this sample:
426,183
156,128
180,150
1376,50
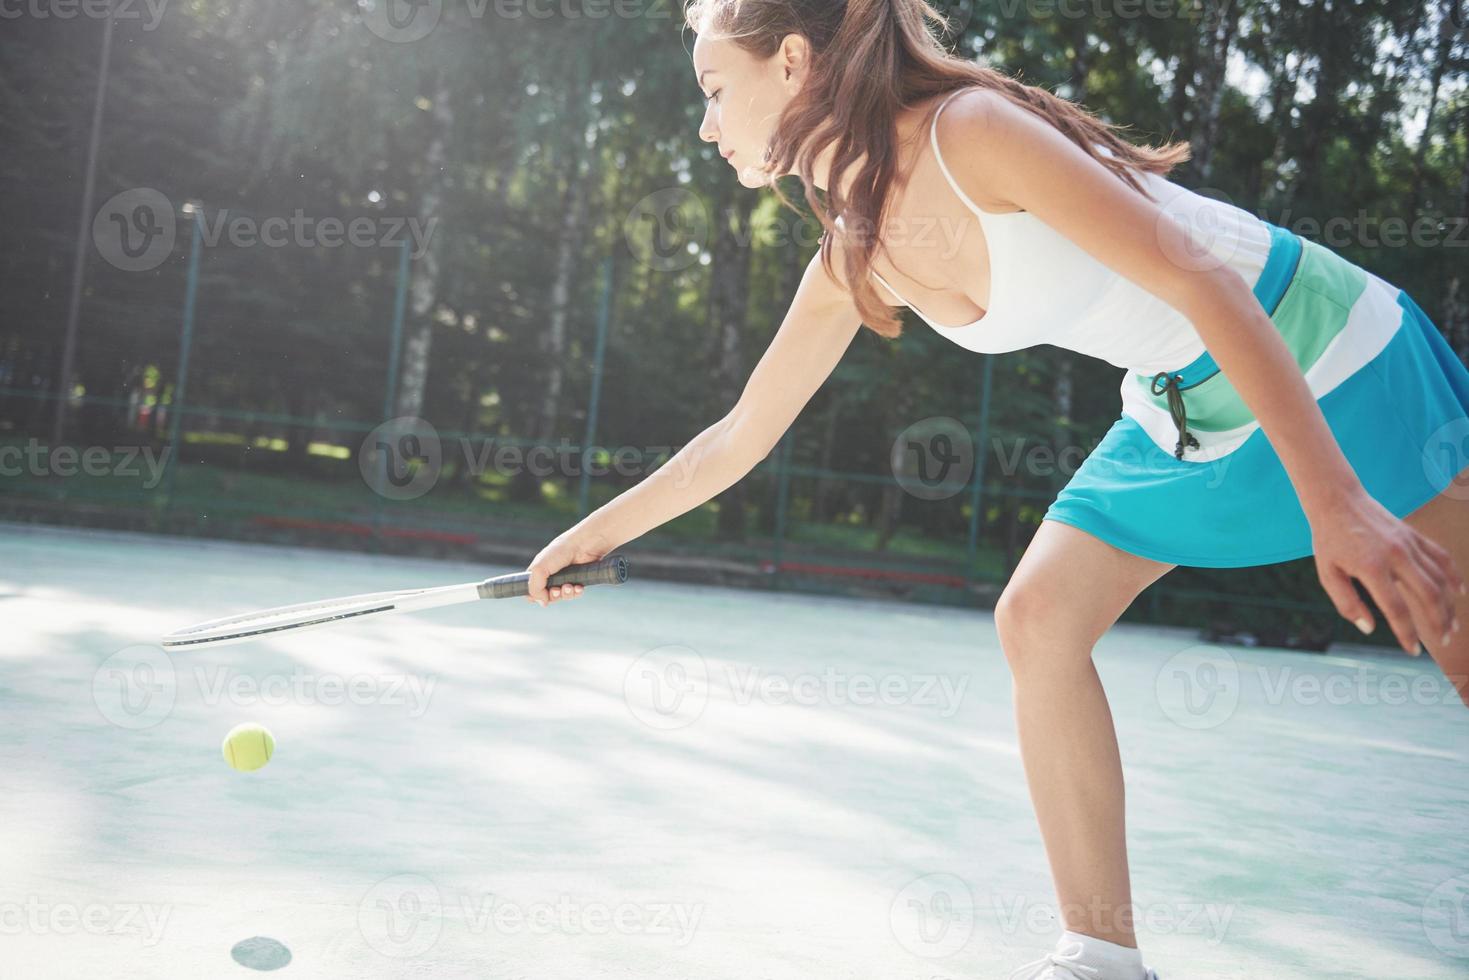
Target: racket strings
294,616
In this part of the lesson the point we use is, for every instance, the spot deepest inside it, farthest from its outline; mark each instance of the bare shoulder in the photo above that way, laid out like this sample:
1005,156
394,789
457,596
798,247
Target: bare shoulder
818,286
976,121
974,103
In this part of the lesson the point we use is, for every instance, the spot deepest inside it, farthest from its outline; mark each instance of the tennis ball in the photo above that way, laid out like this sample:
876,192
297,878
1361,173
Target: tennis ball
248,746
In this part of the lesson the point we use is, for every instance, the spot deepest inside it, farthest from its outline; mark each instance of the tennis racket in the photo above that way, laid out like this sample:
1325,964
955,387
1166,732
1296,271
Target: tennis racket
611,570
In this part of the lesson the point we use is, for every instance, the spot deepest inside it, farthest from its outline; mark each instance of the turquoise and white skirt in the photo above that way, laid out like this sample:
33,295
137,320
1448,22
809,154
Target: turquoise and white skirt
1187,476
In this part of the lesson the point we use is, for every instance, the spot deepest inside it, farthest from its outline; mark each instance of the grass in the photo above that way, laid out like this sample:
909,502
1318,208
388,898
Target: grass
330,487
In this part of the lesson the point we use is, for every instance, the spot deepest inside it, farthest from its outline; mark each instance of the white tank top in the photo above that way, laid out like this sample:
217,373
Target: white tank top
1045,289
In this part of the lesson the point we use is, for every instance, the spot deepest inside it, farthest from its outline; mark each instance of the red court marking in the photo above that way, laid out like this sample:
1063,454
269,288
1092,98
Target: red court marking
365,530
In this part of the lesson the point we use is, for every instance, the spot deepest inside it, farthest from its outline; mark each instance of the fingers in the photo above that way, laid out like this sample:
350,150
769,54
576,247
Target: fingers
1382,582
1435,593
565,591
1445,562
1413,595
552,559
555,593
1344,597
1415,588
535,586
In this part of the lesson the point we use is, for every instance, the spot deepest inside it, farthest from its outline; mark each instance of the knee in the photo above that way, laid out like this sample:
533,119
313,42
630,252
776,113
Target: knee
1036,626
1020,618
1009,614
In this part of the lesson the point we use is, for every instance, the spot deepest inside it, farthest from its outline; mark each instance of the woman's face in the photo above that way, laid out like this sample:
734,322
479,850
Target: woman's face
744,96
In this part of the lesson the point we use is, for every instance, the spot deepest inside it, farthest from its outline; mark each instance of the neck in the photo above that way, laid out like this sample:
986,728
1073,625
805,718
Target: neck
821,168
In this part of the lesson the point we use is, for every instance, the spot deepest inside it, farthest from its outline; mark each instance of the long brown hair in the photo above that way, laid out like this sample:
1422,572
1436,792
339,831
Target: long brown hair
871,59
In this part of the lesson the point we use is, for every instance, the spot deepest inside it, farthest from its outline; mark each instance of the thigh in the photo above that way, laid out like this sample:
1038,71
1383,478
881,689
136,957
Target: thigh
1072,584
1445,520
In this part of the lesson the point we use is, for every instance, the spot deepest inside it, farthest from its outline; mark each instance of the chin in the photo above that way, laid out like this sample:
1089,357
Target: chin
751,177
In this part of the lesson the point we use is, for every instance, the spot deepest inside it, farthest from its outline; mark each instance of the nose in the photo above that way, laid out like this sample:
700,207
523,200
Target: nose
707,132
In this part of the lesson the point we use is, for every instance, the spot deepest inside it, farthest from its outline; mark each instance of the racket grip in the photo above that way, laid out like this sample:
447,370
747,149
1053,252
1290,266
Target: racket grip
611,570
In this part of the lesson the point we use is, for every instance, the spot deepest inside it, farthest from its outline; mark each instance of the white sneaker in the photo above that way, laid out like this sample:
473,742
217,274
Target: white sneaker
1063,964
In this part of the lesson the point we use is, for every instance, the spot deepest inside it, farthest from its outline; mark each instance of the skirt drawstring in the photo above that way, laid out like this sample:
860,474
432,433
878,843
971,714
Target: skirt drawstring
1177,410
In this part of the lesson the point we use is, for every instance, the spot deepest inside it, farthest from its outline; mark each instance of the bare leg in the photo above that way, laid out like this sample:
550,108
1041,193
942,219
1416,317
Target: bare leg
1445,519
1068,590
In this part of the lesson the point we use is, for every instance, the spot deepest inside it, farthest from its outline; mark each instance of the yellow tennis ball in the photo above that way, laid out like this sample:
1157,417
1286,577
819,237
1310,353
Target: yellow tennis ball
248,746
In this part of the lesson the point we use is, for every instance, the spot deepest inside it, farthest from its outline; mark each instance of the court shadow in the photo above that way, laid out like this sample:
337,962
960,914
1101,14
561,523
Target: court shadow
261,953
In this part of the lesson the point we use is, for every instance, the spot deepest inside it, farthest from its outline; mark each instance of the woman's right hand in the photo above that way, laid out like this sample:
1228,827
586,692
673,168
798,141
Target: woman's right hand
571,547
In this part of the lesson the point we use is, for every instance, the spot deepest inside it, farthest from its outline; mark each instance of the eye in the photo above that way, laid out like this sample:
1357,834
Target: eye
710,98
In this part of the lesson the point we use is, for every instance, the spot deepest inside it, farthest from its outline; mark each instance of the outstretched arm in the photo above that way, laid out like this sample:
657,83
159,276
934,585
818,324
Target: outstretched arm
816,331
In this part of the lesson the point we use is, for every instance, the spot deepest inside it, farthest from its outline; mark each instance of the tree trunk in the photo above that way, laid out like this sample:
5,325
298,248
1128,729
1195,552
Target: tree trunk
553,339
1061,391
1456,304
424,281
302,406
1322,115
1282,100
1442,52
890,503
1221,28
1080,67
1183,78
828,449
462,474
729,308
551,344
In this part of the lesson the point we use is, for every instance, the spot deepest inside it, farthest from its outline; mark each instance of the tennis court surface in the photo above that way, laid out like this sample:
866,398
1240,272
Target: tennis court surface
658,780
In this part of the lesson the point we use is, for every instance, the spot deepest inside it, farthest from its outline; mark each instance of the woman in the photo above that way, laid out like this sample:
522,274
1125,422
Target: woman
1278,401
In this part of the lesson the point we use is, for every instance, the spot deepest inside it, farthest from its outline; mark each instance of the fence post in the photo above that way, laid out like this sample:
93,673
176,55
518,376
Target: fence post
390,393
782,486
390,385
186,343
981,453
604,311
78,272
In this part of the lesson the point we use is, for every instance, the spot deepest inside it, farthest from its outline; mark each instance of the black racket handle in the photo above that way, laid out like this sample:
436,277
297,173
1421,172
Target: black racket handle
611,570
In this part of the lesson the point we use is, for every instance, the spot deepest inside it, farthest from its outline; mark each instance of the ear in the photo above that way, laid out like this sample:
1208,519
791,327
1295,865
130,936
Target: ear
795,57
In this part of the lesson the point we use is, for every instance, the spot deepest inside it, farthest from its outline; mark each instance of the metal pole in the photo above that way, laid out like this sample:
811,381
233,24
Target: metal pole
390,389
79,265
976,497
186,343
783,462
603,315
390,395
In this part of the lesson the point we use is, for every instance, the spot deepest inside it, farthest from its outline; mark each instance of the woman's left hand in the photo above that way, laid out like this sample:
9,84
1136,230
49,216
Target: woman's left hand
1411,578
